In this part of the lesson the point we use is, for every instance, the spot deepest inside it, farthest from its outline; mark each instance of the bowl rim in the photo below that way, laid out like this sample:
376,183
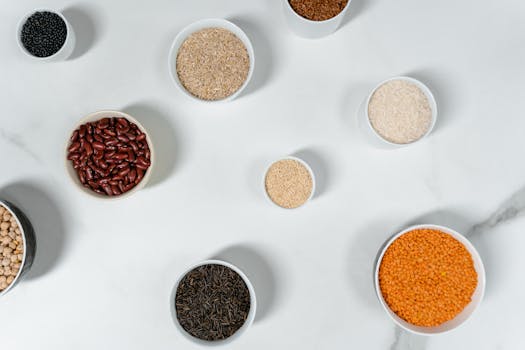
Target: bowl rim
302,162
251,314
7,206
311,21
431,100
185,32
94,116
456,235
24,20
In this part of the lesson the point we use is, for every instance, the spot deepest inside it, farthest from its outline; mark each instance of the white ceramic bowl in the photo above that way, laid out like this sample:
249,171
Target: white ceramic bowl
431,100
97,116
467,311
306,165
65,51
240,331
28,241
203,24
312,29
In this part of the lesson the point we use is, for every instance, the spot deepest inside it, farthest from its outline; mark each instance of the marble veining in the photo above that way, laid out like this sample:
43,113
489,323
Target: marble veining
16,141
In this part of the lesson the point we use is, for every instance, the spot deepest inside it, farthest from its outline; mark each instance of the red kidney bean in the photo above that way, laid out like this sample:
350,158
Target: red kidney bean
89,138
98,145
98,138
73,156
81,176
131,156
88,148
134,146
110,132
107,189
132,175
82,131
123,138
103,123
120,156
140,137
131,136
123,121
74,147
124,171
74,136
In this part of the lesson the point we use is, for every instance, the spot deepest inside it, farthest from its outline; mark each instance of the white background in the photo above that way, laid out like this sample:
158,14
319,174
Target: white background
105,271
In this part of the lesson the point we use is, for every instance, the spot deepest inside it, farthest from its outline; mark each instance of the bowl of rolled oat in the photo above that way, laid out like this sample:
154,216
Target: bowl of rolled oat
17,245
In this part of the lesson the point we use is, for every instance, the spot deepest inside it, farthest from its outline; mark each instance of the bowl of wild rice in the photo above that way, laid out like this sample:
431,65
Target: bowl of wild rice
211,60
213,303
400,111
17,246
46,35
429,279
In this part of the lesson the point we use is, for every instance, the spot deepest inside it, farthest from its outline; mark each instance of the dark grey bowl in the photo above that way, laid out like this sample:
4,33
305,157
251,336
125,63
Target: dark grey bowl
28,238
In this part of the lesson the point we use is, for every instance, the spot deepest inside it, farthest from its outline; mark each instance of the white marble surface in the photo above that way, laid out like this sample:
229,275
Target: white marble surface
104,272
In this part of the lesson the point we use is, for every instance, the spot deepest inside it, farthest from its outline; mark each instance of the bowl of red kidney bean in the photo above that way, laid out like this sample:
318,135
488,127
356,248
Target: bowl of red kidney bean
109,155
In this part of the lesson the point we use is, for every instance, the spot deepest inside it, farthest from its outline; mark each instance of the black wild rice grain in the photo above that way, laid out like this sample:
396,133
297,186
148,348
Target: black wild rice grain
44,33
212,302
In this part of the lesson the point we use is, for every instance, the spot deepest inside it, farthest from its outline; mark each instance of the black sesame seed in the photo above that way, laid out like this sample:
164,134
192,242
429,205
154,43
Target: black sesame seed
44,34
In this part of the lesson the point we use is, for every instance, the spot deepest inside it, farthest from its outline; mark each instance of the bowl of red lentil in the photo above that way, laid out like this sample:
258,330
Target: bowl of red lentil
314,19
429,279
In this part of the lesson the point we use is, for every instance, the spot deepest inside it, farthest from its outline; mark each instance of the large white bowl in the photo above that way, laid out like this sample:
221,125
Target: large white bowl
467,311
97,116
203,24
65,51
240,331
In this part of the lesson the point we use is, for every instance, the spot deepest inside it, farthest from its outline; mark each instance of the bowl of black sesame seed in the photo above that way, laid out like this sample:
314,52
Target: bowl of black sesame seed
46,35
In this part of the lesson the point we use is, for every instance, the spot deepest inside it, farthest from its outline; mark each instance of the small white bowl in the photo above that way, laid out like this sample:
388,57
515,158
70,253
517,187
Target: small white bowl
306,165
97,116
463,315
251,314
65,51
307,28
431,101
203,24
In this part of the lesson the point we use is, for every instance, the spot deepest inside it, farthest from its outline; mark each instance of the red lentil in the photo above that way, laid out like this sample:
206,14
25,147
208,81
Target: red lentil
427,277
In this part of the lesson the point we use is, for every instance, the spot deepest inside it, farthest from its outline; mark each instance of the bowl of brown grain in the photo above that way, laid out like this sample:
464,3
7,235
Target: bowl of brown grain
211,60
